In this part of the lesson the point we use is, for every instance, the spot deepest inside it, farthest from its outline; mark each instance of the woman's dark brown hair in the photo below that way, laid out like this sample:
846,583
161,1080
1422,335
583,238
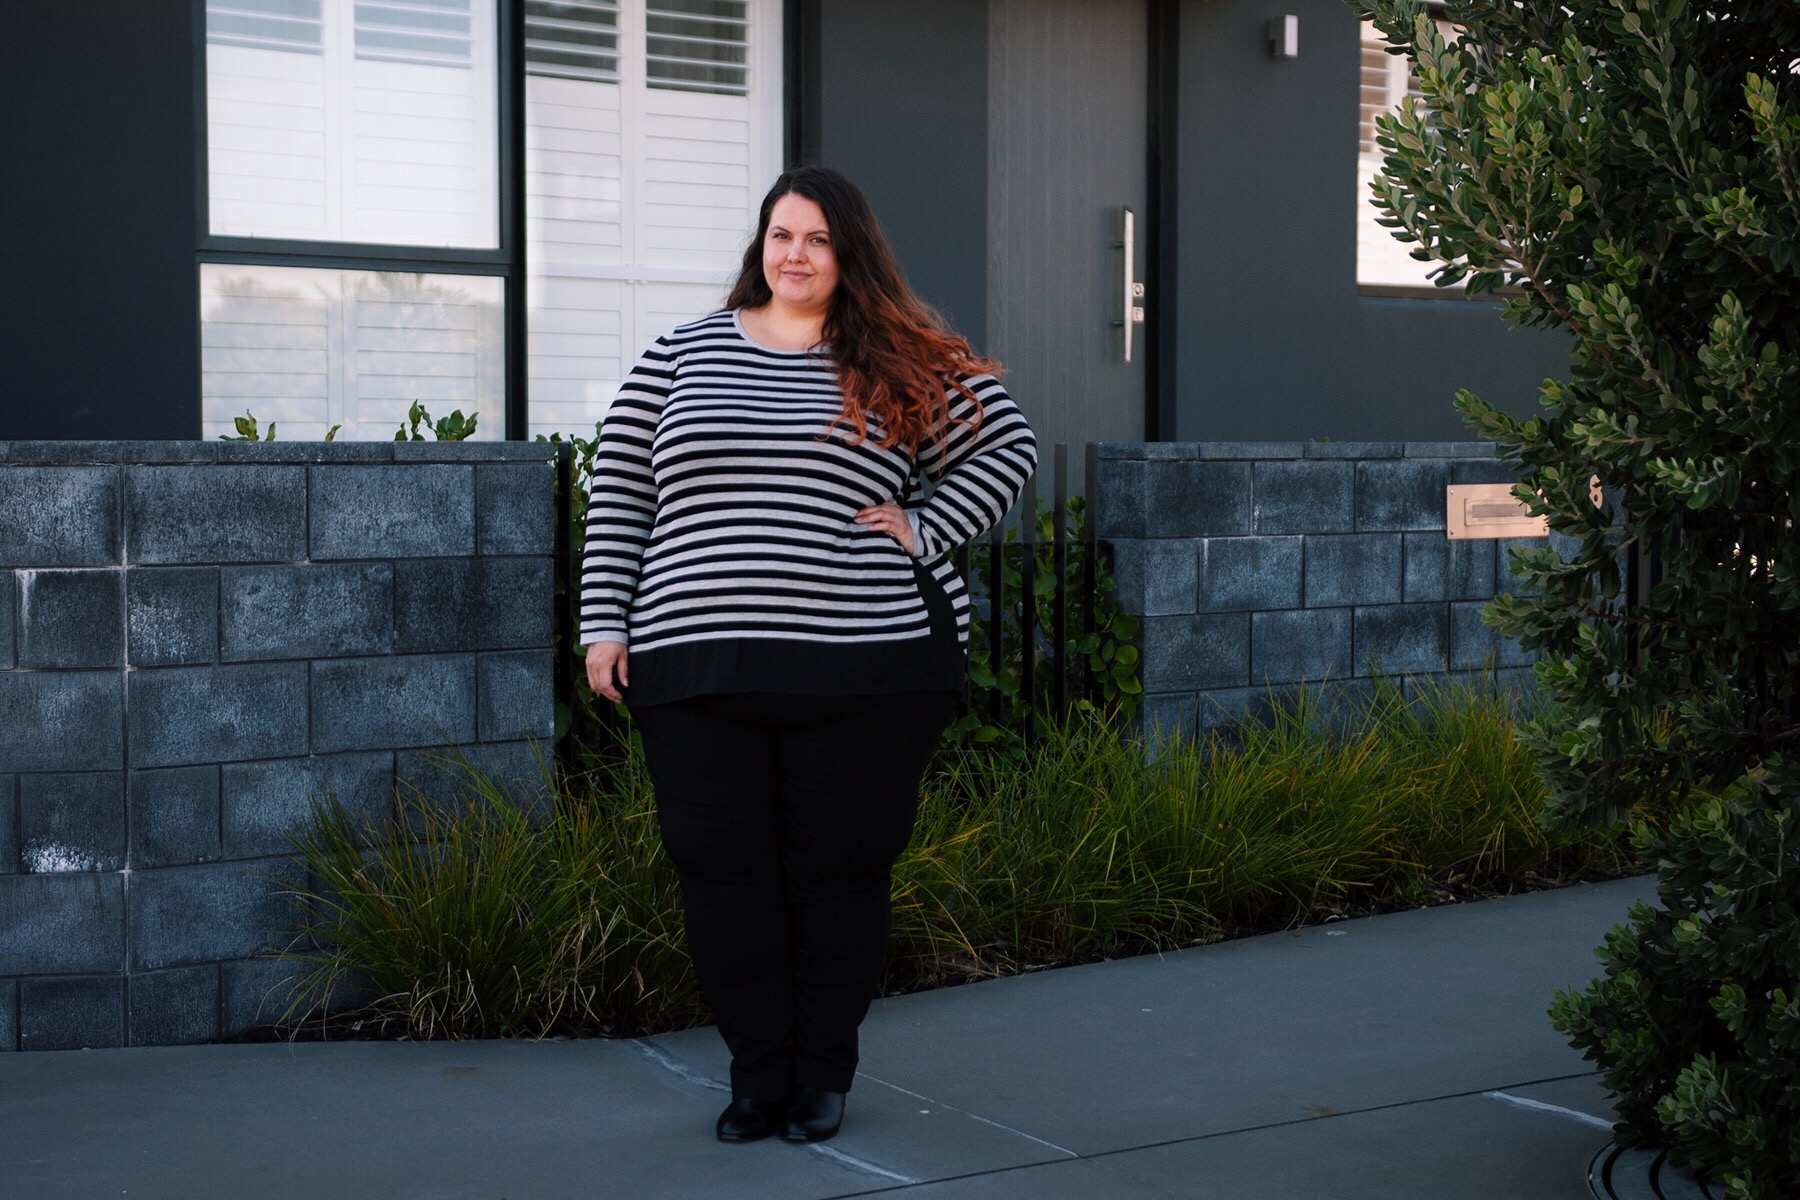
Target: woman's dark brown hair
896,359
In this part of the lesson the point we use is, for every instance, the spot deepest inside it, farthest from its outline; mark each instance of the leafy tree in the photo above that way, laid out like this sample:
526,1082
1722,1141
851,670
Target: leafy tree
1629,171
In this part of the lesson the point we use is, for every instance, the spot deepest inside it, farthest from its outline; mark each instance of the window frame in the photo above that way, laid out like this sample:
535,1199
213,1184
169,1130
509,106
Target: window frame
506,261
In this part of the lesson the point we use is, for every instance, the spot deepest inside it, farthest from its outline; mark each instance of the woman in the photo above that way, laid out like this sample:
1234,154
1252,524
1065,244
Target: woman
766,585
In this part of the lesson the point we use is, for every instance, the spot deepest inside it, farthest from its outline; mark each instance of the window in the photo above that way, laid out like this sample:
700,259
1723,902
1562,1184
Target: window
308,348
340,131
369,121
1382,262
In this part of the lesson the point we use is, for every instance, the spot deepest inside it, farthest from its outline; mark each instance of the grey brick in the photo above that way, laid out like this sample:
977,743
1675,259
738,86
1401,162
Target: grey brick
1311,644
1484,470
1110,451
215,514
174,816
444,779
1249,450
1167,717
62,924
1401,494
516,696
305,452
185,715
178,1007
1517,685
1185,654
211,911
1197,499
81,1012
392,511
1473,645
172,616
61,720
483,450
9,1015
1305,497
71,618
1224,711
59,516
515,508
379,703
1121,495
1170,571
72,822
9,825
1252,573
255,992
1352,568
472,604
95,451
1402,639
1439,569
1354,449
1125,563
8,588
263,801
308,610
1450,449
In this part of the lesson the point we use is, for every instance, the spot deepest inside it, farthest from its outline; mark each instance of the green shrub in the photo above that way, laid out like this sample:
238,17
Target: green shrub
1628,171
1697,1020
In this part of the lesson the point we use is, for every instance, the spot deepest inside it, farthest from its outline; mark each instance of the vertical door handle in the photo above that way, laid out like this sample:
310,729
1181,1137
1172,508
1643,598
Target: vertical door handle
1133,309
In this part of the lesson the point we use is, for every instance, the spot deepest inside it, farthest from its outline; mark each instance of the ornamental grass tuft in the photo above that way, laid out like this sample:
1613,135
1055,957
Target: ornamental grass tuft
491,920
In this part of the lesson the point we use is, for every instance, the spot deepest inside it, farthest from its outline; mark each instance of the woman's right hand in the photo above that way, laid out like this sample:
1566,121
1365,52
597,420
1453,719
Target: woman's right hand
605,661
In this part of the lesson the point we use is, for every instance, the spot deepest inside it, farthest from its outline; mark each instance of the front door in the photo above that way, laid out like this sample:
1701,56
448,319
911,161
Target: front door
1068,110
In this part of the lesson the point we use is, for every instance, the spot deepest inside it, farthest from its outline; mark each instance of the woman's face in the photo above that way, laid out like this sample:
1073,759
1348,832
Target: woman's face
798,261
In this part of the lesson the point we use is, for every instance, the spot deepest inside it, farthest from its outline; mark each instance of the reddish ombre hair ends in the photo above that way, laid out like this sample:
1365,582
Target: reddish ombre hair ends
896,358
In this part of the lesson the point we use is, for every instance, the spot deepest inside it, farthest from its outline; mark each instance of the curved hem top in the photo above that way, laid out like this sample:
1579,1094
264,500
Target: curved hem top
721,541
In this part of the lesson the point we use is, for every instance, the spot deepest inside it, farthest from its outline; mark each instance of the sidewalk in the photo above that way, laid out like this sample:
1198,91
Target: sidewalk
1388,1058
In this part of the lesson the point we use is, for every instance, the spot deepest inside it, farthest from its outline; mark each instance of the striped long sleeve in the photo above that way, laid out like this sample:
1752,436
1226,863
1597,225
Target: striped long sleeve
622,498
722,544
979,469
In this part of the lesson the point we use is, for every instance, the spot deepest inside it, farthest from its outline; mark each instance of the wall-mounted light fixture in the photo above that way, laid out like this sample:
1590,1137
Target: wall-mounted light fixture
1284,37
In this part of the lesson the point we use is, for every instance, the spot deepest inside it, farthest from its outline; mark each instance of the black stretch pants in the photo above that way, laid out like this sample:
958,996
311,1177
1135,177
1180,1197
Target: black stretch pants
783,815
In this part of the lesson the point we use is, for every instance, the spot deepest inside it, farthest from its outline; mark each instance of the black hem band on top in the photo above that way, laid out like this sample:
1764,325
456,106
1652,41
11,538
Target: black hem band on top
667,674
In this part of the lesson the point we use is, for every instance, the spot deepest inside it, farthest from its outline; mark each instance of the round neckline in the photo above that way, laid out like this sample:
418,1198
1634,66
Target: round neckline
737,319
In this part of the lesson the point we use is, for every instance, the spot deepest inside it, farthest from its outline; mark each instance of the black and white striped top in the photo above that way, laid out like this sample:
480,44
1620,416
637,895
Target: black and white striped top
721,545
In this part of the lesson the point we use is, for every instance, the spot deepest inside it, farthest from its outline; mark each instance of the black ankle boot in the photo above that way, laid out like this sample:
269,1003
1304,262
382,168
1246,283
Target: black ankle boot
747,1119
813,1115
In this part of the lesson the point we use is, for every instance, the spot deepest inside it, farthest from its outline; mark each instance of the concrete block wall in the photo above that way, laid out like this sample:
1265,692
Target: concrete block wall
195,640
1258,566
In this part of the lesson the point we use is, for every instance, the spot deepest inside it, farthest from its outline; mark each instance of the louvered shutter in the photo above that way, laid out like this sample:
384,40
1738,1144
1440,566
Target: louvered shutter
642,179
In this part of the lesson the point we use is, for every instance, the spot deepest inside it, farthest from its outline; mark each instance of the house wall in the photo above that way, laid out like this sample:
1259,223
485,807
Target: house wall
1274,340
100,336
197,638
894,93
1259,566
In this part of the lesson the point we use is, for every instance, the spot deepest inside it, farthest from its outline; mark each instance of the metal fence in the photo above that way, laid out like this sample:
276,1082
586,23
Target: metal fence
1026,584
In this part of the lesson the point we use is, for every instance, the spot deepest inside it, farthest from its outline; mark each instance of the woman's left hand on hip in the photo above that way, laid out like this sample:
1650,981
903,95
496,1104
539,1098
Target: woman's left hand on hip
890,519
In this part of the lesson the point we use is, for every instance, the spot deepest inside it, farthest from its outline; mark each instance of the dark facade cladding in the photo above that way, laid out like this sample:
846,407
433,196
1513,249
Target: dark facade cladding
196,641
1249,235
1261,566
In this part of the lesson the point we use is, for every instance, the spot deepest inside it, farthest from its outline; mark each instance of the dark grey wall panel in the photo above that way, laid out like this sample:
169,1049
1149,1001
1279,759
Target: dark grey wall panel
1068,111
97,133
1274,339
901,107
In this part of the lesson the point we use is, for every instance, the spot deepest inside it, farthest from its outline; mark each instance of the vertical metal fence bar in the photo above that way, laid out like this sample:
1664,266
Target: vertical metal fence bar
960,557
1028,631
1059,564
1090,575
568,613
996,550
